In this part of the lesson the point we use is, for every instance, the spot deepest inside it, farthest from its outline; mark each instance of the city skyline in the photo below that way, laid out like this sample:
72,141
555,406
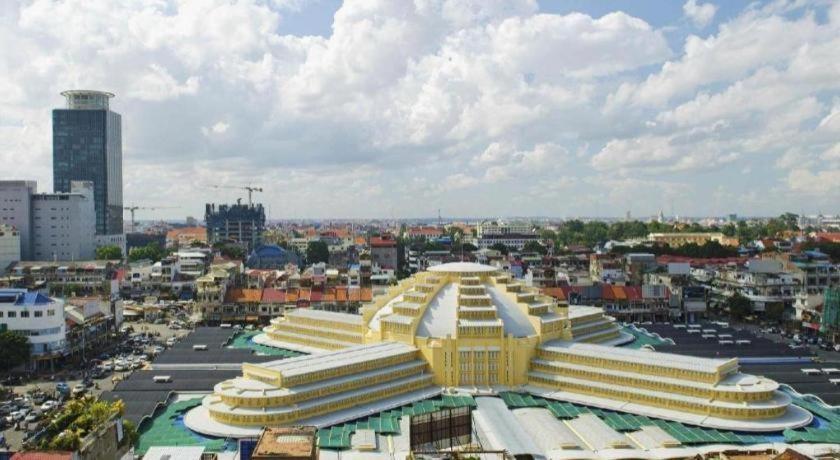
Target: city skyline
394,110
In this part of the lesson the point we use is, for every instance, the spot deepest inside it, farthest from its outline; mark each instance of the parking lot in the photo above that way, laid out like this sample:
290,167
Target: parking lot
23,407
195,364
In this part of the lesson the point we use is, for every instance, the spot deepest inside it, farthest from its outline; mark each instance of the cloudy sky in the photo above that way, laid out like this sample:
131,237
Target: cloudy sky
397,108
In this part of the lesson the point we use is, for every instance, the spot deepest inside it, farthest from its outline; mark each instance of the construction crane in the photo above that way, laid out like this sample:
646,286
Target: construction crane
132,209
250,190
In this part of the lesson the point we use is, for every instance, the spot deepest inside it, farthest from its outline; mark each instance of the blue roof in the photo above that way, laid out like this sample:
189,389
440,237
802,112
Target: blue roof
33,298
269,250
21,297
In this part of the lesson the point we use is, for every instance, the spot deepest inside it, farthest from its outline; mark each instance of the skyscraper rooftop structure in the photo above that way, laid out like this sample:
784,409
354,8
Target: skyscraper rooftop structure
87,145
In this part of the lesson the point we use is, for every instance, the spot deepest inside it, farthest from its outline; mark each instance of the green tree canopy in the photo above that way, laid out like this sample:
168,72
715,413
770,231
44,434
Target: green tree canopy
317,251
16,350
534,246
232,251
151,251
110,252
501,248
738,306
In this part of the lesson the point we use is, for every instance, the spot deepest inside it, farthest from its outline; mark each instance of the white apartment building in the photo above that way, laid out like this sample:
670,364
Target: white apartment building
38,317
64,224
192,263
16,210
513,235
9,246
489,228
51,226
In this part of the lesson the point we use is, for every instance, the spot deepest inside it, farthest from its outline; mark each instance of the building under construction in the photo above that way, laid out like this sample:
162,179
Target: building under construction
237,223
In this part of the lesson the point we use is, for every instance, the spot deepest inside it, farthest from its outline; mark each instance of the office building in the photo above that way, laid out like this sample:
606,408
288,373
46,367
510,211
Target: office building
87,145
63,224
237,223
51,226
472,328
9,246
16,210
39,318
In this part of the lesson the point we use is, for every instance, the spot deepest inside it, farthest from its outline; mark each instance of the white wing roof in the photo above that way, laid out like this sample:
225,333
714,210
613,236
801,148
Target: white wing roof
671,360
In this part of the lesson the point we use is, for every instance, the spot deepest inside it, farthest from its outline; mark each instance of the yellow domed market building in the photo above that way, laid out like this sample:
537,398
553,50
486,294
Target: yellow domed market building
467,328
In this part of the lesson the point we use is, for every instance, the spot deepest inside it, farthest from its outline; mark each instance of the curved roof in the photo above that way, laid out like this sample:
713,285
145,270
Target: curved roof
462,267
269,250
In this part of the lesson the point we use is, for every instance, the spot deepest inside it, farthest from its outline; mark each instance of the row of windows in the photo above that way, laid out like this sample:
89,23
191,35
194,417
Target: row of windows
649,369
328,333
339,371
323,323
668,403
26,313
657,385
286,417
33,332
482,331
309,341
326,390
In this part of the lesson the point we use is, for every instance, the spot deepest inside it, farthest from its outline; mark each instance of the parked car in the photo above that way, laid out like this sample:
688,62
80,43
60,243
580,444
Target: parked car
49,405
79,389
62,388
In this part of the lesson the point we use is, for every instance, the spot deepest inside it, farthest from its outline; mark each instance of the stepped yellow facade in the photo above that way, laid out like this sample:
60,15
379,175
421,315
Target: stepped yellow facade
472,328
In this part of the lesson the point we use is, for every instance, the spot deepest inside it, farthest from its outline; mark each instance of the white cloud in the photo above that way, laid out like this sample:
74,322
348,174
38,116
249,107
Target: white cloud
220,127
739,47
156,84
701,14
820,182
405,102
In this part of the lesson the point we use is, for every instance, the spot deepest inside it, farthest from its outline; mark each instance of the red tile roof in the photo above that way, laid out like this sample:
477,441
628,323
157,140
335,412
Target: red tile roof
272,295
831,237
382,242
244,295
633,292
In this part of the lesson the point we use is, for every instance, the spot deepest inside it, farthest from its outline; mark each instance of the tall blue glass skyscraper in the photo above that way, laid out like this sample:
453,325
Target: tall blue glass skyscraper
87,145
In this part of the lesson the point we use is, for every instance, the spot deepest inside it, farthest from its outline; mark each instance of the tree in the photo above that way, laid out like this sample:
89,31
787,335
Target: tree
108,253
232,251
469,247
534,246
317,251
151,251
501,248
16,350
738,306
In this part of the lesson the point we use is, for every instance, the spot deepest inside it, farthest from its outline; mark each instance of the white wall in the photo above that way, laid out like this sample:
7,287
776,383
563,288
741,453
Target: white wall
16,210
9,246
64,224
42,323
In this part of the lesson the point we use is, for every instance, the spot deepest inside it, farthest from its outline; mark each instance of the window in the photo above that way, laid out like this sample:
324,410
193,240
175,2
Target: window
24,314
12,314
39,314
50,312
